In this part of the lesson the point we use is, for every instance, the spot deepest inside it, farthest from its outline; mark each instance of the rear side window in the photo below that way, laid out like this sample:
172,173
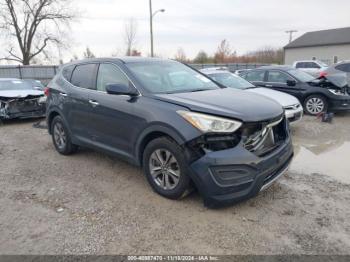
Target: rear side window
300,65
312,65
255,76
84,76
67,72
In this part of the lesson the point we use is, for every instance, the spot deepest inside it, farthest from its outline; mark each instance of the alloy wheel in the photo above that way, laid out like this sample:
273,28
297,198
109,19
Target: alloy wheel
164,169
315,105
59,136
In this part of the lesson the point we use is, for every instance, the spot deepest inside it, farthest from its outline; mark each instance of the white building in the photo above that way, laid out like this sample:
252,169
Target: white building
330,46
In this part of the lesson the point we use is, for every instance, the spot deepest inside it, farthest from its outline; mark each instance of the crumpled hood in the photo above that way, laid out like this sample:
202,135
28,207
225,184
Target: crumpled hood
228,102
20,93
340,80
280,97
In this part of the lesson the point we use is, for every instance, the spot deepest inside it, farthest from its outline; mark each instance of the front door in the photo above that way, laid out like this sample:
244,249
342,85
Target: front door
112,115
277,80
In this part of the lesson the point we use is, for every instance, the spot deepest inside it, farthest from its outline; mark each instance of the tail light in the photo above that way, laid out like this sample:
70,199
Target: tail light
323,74
47,91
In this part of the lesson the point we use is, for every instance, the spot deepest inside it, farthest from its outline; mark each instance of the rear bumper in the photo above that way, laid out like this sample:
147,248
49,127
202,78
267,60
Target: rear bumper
230,176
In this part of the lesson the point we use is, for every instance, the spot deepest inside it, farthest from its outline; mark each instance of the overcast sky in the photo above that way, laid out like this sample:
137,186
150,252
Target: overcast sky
201,24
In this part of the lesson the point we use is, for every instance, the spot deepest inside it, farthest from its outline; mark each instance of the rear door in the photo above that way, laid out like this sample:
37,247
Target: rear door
277,80
78,106
256,77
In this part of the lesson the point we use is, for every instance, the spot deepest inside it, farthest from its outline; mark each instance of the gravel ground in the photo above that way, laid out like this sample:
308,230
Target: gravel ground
90,203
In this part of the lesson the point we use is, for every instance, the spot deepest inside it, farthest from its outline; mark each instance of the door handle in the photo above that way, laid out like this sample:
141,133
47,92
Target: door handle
268,85
63,94
93,103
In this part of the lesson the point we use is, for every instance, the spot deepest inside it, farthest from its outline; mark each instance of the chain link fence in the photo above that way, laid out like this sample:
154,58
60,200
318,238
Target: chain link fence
46,73
37,72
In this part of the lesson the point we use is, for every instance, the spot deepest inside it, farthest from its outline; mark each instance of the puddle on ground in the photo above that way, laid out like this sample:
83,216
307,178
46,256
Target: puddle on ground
331,158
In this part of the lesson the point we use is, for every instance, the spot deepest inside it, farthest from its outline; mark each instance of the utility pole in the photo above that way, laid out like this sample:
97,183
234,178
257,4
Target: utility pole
151,16
151,25
291,32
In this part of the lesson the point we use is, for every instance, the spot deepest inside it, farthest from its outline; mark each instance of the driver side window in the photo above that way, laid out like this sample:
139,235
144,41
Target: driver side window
110,74
278,77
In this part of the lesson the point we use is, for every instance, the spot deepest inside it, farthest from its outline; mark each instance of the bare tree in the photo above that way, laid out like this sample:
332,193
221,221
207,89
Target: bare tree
130,31
224,52
267,54
180,55
88,53
201,58
34,25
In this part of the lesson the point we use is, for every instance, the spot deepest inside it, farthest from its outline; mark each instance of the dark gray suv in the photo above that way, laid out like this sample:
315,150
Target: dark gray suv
183,129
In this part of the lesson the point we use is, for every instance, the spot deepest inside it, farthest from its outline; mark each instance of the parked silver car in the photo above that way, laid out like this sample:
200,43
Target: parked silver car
291,105
312,67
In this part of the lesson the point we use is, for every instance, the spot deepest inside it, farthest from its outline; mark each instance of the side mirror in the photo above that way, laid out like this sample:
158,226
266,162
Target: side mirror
291,83
120,89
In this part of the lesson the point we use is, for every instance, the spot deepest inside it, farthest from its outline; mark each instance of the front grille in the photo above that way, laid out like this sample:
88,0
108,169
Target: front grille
263,138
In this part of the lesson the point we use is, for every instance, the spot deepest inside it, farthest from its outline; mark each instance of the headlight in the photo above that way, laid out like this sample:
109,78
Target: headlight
337,92
210,124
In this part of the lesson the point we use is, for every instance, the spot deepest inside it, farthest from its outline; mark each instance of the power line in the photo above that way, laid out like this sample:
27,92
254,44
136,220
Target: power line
291,32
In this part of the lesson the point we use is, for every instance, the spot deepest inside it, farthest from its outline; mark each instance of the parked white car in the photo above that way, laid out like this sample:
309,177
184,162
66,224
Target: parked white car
291,105
312,67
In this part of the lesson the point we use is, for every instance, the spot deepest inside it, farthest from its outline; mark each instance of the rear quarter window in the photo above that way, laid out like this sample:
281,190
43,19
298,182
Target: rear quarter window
67,72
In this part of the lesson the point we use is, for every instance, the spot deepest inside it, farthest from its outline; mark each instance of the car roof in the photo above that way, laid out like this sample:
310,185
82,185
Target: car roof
124,60
10,79
210,72
303,61
279,67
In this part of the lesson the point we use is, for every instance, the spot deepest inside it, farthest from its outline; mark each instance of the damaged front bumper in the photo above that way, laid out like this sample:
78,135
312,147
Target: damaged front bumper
225,177
22,108
339,103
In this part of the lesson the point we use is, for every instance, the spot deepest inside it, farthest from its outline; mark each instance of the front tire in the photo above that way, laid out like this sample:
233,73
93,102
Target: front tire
166,168
315,105
61,137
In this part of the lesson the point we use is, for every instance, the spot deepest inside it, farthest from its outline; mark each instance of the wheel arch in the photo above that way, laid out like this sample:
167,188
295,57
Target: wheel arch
51,115
318,93
152,133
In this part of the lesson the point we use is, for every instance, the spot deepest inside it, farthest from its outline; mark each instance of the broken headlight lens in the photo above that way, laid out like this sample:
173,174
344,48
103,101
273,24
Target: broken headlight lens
210,124
337,92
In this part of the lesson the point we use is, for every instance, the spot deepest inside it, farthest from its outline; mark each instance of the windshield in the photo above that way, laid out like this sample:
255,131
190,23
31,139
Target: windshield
14,85
231,80
170,77
301,75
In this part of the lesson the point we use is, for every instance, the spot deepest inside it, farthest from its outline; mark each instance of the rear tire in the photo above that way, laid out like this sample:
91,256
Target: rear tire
61,137
166,168
315,105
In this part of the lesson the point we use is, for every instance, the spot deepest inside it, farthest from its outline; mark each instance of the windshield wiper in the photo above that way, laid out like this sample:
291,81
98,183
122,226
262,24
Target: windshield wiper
199,90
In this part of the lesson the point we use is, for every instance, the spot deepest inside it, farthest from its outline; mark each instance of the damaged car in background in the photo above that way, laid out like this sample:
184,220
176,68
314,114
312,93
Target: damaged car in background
316,95
18,99
337,77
